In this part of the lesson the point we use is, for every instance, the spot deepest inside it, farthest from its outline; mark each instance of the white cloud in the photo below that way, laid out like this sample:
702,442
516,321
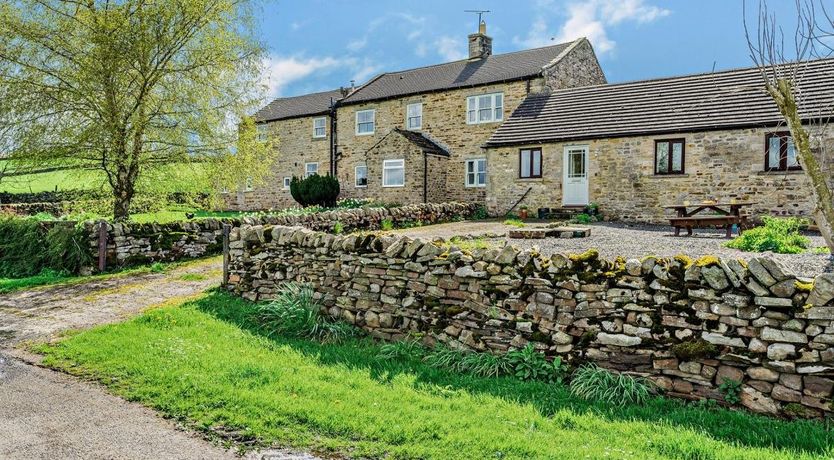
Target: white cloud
282,71
358,44
589,19
450,48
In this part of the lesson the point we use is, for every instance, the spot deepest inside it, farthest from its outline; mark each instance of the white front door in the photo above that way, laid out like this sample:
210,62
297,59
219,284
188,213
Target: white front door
575,176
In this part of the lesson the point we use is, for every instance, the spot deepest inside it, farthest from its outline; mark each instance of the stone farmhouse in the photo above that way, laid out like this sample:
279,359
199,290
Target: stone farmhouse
542,128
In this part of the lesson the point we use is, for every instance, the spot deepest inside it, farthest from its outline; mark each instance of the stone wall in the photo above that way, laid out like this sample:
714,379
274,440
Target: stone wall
687,325
132,244
719,165
579,67
294,147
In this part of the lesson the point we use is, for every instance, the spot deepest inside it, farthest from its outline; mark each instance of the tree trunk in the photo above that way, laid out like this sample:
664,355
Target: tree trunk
783,95
123,194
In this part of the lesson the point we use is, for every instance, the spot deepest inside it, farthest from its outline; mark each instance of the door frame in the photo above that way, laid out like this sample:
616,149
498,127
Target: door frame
565,167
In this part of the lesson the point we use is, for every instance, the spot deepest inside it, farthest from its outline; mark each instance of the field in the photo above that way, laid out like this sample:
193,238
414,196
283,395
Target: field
208,364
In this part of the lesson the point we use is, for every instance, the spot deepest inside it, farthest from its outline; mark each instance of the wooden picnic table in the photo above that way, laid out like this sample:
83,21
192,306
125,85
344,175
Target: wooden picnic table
721,215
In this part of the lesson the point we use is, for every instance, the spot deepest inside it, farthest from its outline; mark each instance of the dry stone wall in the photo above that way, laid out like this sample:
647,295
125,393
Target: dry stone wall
687,325
131,244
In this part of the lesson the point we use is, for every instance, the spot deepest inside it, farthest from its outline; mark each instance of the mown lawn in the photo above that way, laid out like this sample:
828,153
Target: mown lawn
206,363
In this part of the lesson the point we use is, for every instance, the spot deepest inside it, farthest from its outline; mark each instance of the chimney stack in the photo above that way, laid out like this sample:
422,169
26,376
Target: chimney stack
480,44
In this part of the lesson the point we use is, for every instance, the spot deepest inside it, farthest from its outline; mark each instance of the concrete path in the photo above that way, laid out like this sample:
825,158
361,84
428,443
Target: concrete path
46,414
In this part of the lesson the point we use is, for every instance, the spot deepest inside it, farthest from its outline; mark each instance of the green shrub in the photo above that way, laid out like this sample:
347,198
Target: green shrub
594,383
480,213
583,219
386,224
28,246
529,364
780,235
295,313
338,228
821,250
730,389
315,190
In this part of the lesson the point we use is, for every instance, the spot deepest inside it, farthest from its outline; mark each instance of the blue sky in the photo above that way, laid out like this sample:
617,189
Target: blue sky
317,45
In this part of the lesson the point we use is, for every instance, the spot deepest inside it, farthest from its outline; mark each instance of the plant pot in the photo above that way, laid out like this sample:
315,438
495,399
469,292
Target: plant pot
522,213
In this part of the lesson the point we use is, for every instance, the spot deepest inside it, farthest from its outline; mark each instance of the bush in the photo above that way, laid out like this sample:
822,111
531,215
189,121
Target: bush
780,235
595,383
28,246
480,213
294,313
386,224
315,191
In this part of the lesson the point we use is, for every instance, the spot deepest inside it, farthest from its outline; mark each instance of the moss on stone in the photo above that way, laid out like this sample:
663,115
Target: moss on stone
707,261
684,260
803,287
586,257
698,348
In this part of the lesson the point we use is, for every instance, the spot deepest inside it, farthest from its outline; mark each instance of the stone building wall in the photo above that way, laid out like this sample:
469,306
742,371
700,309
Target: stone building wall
686,325
719,165
444,121
579,67
294,146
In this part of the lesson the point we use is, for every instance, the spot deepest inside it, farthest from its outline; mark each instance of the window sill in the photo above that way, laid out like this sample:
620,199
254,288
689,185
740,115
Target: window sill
365,134
319,138
360,186
529,179
475,186
780,173
668,176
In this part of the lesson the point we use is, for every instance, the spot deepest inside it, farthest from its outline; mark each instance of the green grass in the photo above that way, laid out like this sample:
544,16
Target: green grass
821,250
207,364
514,222
52,278
177,213
68,179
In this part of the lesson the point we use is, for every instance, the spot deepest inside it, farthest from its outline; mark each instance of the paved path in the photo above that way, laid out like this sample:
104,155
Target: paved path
46,414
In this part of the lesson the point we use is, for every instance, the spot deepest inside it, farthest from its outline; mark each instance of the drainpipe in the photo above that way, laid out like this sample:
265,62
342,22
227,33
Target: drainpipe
333,125
425,177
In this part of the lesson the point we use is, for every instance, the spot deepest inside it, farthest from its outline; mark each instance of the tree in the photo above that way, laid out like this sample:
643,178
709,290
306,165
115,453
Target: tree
133,88
780,68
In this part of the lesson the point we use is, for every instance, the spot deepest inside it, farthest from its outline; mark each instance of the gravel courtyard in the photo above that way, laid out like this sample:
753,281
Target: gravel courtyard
616,239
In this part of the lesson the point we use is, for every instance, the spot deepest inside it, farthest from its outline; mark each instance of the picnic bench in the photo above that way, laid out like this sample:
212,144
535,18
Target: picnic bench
721,215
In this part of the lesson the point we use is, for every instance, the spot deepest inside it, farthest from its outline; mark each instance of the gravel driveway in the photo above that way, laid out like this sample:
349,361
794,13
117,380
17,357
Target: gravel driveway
616,239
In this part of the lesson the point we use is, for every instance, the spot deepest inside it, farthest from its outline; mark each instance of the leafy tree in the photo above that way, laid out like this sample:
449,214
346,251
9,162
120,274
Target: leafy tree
134,88
780,65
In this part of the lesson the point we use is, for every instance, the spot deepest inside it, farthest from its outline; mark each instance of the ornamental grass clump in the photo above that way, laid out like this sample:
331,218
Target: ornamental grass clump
594,383
779,235
295,313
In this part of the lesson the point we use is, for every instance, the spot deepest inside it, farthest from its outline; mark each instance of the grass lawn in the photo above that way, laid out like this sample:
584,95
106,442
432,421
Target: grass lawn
207,364
177,213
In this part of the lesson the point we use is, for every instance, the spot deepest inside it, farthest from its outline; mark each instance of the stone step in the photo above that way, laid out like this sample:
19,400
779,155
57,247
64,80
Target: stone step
540,233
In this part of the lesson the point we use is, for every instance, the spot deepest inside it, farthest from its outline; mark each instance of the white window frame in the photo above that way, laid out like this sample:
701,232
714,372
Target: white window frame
323,127
475,173
356,176
307,172
372,122
262,132
287,182
392,165
474,109
418,117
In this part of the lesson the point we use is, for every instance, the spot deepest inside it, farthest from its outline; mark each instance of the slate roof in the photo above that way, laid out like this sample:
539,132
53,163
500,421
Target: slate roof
298,106
458,74
420,140
728,99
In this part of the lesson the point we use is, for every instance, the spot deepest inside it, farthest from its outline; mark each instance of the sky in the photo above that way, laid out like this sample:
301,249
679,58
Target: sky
318,45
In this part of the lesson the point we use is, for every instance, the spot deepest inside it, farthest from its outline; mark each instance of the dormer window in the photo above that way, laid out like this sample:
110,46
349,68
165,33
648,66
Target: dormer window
320,127
365,122
486,108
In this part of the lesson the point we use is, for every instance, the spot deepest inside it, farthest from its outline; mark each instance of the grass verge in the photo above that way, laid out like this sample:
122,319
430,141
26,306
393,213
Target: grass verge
52,278
208,363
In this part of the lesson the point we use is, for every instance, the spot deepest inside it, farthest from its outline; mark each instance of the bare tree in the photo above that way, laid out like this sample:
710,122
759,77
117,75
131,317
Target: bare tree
782,67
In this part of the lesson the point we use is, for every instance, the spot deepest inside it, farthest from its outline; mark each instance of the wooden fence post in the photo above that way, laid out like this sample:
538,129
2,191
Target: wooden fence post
102,245
226,230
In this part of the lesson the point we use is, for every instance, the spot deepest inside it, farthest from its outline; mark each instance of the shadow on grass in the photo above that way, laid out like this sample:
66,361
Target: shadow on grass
737,427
